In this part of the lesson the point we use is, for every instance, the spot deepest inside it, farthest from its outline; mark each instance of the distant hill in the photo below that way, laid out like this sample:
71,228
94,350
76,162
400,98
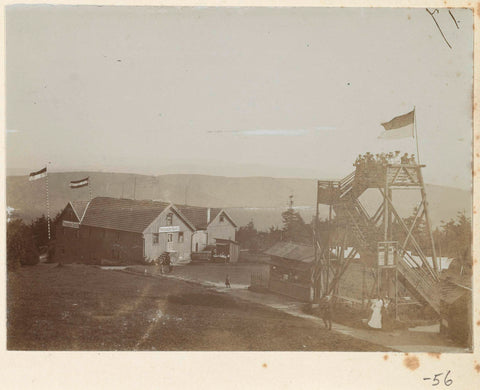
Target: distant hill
261,199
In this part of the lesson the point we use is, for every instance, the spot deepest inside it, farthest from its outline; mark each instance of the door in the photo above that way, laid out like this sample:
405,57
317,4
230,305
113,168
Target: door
170,242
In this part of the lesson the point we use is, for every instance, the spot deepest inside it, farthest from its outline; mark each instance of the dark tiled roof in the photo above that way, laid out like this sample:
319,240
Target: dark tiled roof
198,215
79,207
292,251
122,214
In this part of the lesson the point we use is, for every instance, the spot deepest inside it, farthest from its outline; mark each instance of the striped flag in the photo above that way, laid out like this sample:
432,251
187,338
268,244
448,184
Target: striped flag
79,183
399,127
38,175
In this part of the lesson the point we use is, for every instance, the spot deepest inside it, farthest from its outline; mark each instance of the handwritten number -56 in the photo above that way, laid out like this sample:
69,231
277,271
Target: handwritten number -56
436,381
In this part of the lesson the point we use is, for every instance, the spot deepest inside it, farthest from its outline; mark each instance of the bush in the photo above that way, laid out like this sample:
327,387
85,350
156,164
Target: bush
21,249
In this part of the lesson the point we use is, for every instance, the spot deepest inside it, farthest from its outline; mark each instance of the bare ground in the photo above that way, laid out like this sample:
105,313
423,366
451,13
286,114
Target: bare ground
78,307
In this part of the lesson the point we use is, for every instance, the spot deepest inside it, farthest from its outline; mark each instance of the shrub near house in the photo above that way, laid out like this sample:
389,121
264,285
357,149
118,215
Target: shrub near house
20,245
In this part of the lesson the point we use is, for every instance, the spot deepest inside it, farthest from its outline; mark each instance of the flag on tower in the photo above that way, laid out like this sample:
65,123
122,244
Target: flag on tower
399,127
79,183
38,175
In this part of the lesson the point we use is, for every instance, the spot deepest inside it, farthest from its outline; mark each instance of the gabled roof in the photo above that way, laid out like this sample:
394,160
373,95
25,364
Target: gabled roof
198,215
122,214
292,251
79,207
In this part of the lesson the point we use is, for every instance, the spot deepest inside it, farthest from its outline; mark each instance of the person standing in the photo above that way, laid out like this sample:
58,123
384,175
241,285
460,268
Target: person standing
227,282
168,263
326,307
376,318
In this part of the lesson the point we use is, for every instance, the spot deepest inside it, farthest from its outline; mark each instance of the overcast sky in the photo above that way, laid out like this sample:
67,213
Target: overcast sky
236,92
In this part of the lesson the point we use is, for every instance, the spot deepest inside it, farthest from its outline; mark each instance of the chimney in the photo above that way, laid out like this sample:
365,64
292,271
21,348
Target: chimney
208,215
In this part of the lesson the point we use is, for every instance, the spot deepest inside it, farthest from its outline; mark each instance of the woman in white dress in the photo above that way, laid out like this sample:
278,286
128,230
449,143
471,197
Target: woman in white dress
376,319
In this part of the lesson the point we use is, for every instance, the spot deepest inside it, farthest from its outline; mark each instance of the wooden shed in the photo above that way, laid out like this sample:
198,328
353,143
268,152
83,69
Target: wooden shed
228,248
291,269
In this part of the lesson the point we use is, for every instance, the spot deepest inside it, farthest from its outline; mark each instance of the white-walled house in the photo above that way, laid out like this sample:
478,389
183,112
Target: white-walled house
210,224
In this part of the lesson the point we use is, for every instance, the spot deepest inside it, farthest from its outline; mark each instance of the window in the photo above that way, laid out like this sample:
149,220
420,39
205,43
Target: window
156,238
170,237
169,219
222,218
180,236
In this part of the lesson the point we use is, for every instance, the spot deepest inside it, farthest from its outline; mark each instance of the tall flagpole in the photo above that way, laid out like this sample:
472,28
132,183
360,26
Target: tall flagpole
89,188
416,134
48,202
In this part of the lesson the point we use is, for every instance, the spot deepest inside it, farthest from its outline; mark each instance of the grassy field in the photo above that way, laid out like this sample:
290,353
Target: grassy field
78,307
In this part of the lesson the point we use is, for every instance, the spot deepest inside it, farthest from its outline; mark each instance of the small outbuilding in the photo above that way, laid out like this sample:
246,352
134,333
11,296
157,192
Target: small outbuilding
291,269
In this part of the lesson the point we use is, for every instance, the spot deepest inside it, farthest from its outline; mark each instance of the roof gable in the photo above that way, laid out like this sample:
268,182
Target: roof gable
79,207
197,215
220,212
69,213
172,208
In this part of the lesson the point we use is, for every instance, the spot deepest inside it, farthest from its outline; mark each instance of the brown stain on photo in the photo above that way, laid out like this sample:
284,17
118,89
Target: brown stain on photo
385,357
264,365
478,323
477,368
411,362
435,354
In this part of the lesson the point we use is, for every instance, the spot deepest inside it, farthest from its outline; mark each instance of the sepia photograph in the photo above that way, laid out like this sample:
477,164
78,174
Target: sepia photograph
239,179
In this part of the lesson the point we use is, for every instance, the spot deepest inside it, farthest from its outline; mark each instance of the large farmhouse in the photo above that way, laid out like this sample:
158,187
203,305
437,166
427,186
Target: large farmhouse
111,230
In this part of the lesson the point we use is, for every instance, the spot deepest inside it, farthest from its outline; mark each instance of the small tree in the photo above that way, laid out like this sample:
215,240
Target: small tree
247,237
20,245
39,229
294,227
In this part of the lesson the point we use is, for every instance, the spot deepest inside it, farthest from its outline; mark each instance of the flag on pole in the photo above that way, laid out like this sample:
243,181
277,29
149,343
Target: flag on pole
38,175
79,183
399,127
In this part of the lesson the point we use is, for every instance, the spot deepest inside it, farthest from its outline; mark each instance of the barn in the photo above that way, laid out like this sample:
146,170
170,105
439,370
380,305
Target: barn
128,231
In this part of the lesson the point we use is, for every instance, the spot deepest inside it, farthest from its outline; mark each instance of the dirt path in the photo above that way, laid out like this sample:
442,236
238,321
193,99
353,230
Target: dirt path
400,340
78,307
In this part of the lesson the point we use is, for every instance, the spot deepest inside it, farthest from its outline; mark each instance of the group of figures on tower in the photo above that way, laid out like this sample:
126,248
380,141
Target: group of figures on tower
370,160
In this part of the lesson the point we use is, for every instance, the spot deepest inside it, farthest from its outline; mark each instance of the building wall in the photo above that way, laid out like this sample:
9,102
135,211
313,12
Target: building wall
220,229
290,282
200,237
67,240
179,250
100,245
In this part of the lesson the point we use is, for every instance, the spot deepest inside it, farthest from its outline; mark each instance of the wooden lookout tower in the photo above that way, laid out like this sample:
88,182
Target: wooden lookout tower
381,239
